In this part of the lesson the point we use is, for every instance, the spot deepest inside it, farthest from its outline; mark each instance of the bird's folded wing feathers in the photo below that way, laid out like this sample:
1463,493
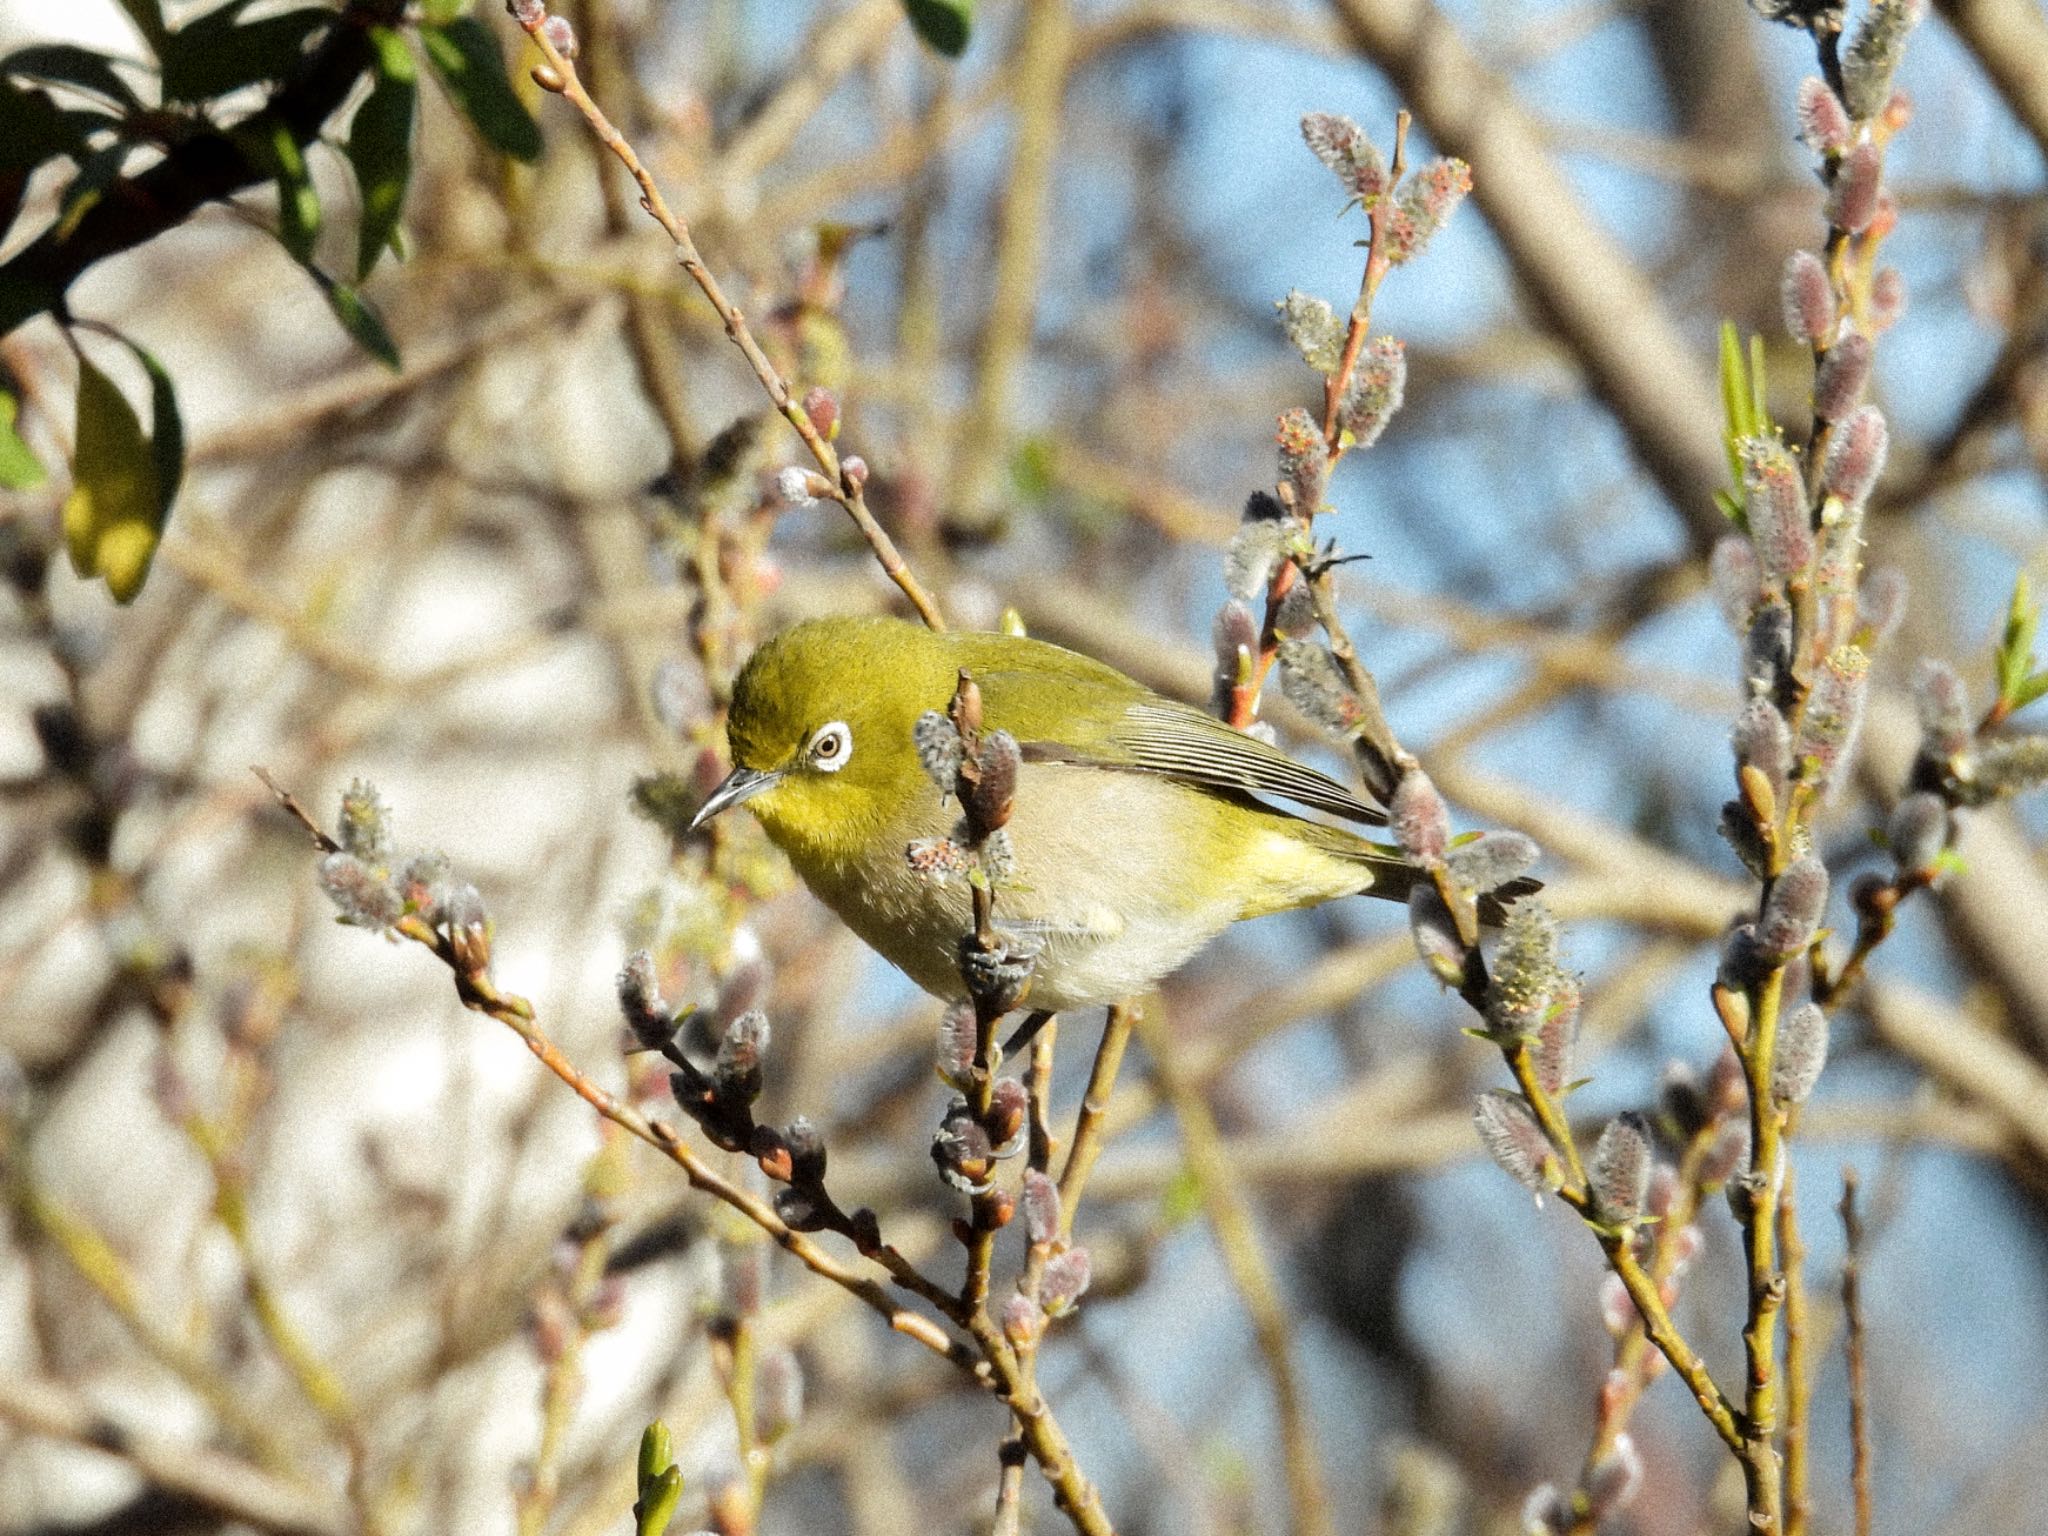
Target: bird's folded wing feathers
1156,735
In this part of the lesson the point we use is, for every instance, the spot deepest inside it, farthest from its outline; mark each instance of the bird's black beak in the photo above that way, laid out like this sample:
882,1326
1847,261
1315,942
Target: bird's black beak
740,784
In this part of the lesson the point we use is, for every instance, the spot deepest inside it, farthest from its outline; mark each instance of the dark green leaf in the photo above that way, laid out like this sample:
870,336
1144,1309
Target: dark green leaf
113,517
148,16
33,128
20,469
212,56
68,64
298,205
167,428
943,24
380,146
362,322
465,55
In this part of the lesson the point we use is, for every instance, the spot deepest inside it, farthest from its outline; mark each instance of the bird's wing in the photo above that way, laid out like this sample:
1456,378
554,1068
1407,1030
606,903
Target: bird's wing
1157,735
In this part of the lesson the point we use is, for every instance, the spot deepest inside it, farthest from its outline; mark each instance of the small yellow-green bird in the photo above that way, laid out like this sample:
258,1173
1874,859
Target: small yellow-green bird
1139,831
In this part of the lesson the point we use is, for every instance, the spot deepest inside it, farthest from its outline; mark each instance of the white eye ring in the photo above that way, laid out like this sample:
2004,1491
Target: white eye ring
831,746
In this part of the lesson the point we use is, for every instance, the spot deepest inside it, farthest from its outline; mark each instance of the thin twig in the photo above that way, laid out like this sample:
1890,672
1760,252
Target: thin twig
1230,1218
1853,1347
1798,1364
845,487
1088,1124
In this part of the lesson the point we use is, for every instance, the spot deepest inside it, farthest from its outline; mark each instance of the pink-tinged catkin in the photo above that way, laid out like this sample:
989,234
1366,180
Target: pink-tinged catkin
1436,935
1767,646
1762,740
1615,1480
1304,458
938,748
1775,499
1254,550
1314,329
1841,551
1824,125
1855,456
1943,700
561,36
1376,391
1852,200
1425,204
1873,55
1881,604
1419,819
1041,1207
1887,298
1235,635
1736,578
1808,298
1343,146
1064,1282
1801,1054
1834,713
1793,910
1918,831
1313,683
640,1000
1838,383
1618,1173
957,1043
1491,860
1555,1048
363,896
1512,1138
1528,971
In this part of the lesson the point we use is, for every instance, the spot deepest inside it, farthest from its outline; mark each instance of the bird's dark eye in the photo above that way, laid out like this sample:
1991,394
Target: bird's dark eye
831,746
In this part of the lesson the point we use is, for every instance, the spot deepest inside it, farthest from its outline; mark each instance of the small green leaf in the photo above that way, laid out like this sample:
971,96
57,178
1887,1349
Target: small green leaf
380,147
465,55
68,64
943,24
2013,660
20,469
211,56
114,515
2030,690
298,204
1735,397
362,322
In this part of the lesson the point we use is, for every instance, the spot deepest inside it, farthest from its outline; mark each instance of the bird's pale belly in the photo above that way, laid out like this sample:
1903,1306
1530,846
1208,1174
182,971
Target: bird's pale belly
1102,903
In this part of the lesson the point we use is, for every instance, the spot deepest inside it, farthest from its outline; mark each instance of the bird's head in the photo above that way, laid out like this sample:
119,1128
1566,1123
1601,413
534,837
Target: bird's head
820,729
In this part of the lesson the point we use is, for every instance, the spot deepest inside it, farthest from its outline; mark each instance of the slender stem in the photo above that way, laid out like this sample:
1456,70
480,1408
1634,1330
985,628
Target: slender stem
1859,1380
561,78
1762,1472
1798,1364
1089,1123
1244,1255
